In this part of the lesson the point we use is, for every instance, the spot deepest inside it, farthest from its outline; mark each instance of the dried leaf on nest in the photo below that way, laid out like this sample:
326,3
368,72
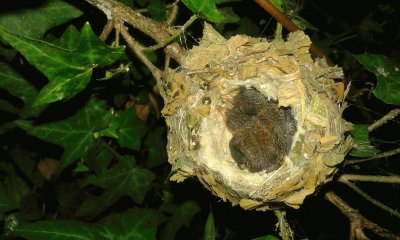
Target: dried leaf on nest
283,71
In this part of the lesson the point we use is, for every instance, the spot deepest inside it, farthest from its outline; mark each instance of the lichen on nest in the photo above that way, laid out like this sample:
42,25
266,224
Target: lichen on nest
257,122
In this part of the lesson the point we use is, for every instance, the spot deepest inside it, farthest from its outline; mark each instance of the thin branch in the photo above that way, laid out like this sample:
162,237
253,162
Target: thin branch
174,13
377,156
368,178
357,221
112,151
289,25
392,114
138,50
115,10
107,30
285,231
175,35
369,198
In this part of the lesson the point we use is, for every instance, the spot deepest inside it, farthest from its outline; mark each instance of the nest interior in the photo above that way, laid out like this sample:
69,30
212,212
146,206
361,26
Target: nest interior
257,122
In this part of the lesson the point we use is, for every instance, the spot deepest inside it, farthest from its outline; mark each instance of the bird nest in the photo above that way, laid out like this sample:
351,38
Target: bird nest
257,122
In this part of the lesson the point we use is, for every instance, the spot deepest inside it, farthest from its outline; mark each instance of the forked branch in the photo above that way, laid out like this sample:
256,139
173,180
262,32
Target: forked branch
357,221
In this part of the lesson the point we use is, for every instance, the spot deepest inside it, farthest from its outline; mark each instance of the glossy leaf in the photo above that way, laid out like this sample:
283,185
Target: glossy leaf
138,224
209,231
69,39
74,134
7,203
127,129
155,143
124,180
388,75
68,71
57,230
205,7
157,10
182,216
16,85
35,22
362,147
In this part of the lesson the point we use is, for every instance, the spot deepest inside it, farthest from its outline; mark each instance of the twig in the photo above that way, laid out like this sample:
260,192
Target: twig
118,11
392,114
285,231
161,33
112,151
174,13
290,26
369,198
368,178
377,156
357,221
107,30
138,50
171,38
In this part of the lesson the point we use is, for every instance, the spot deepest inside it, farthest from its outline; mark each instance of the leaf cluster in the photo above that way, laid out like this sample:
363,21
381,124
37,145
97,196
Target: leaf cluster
83,146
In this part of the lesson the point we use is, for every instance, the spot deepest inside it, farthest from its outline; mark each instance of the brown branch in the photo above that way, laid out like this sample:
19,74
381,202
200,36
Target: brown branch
357,221
115,10
174,13
285,231
107,30
389,116
371,178
138,50
370,199
377,156
290,26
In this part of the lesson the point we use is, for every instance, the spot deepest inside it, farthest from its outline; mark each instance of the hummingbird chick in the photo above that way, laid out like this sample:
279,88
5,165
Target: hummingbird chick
262,131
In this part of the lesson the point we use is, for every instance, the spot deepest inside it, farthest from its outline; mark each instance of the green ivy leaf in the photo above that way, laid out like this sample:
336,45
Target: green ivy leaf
16,85
362,147
35,22
133,224
16,188
127,129
75,134
101,161
206,8
68,71
123,180
182,216
7,203
138,224
69,39
387,73
155,144
209,231
157,10
57,230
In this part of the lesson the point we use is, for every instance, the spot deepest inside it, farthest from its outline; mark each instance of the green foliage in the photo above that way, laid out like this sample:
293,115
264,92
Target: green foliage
209,231
83,148
206,8
35,22
69,65
132,224
362,147
181,216
127,129
75,134
388,74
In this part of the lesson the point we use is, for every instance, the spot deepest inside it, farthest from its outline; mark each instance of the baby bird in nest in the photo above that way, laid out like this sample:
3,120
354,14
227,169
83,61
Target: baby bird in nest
262,131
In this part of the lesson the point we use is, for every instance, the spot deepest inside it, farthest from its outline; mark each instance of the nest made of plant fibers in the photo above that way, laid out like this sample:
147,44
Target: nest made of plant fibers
202,95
